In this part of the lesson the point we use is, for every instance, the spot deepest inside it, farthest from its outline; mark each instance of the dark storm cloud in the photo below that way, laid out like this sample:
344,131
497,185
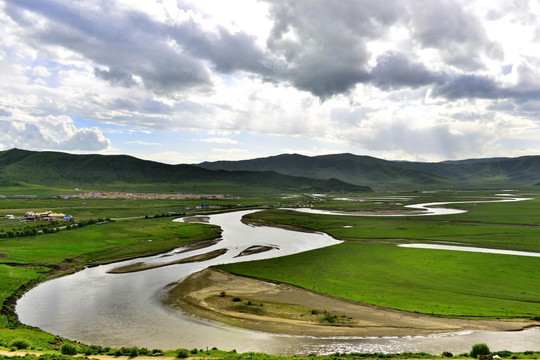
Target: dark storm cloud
133,44
128,43
469,86
324,43
485,87
228,52
457,35
315,45
396,70
327,54
115,76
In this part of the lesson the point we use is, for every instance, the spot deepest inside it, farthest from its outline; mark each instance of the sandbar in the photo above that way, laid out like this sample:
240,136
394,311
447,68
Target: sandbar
197,294
257,249
141,266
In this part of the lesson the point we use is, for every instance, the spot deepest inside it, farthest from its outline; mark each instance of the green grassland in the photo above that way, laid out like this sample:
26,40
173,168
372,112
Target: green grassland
103,243
27,260
12,279
368,267
453,284
119,208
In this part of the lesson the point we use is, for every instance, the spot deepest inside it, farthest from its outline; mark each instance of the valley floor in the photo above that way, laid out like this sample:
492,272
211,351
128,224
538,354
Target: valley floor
257,305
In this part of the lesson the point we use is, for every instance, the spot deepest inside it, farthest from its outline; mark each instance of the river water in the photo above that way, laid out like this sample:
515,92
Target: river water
96,307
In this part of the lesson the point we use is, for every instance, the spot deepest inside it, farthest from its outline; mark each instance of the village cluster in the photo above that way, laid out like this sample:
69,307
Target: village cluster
123,195
44,216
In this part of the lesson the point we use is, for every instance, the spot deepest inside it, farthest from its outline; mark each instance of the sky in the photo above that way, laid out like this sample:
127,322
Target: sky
179,81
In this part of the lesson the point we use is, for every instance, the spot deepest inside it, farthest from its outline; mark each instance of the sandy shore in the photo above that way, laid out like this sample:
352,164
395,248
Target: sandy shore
199,294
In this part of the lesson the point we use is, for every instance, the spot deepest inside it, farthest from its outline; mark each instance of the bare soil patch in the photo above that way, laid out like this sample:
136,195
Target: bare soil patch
208,294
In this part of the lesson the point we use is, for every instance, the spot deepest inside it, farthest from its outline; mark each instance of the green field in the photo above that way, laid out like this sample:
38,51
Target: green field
118,208
104,243
368,267
29,259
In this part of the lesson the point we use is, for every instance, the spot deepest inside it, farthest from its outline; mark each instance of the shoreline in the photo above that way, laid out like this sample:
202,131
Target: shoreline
198,295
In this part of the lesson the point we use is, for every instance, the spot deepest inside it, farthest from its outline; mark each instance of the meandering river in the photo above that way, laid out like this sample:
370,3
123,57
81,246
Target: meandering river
96,307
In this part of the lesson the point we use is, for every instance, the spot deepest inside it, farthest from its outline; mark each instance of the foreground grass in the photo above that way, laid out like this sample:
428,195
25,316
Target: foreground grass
369,268
132,353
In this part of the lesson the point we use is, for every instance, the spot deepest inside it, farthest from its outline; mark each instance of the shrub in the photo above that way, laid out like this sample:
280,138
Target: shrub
68,349
20,344
447,354
504,354
329,318
194,351
182,353
134,352
236,299
479,349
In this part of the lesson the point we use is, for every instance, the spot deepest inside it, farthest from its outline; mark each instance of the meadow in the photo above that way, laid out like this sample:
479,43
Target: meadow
25,261
369,267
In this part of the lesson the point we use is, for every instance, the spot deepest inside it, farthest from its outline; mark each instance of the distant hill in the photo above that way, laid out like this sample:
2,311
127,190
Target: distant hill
384,174
61,170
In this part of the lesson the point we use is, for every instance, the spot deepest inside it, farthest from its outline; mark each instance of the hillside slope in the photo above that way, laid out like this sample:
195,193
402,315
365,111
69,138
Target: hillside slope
384,174
57,169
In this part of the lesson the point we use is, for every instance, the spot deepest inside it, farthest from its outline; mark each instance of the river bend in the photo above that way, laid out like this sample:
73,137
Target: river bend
96,307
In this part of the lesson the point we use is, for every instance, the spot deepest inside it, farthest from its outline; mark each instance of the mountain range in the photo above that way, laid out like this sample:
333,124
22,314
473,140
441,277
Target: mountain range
385,174
281,173
28,169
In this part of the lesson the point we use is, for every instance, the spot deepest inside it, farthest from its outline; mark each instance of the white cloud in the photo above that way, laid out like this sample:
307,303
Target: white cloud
402,85
49,133
219,141
144,143
41,71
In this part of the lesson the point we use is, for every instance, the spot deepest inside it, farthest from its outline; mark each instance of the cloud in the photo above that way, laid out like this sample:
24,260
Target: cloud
144,143
219,141
353,73
458,35
50,133
127,43
395,70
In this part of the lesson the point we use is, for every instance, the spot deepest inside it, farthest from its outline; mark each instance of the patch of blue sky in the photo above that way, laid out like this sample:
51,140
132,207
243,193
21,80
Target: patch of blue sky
86,123
229,79
405,106
36,74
